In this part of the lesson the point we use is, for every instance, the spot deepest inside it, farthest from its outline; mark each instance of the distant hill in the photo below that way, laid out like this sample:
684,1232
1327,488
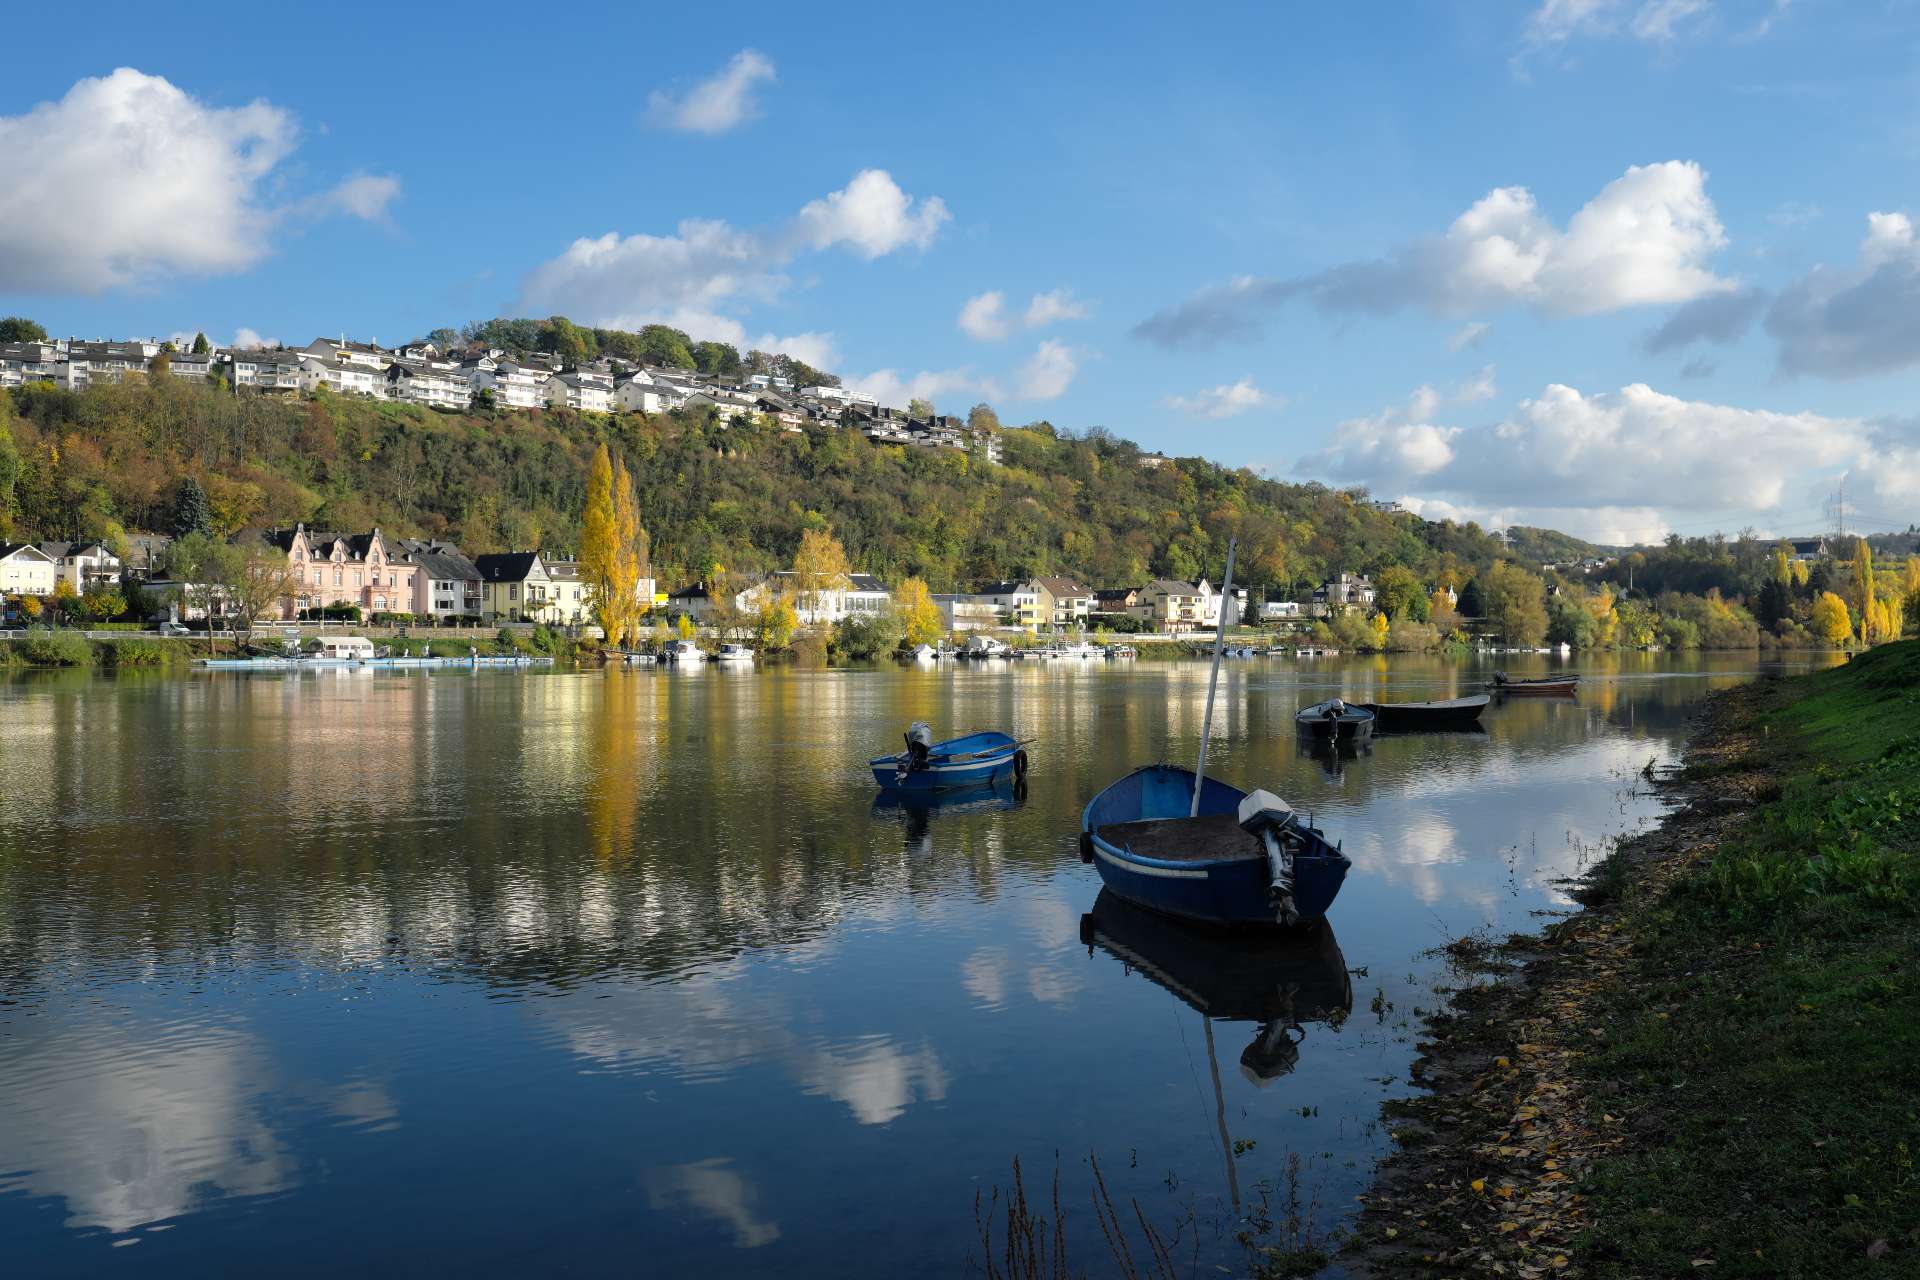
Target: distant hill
1550,546
714,498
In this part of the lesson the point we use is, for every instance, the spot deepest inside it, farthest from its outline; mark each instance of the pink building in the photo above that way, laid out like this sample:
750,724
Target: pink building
336,568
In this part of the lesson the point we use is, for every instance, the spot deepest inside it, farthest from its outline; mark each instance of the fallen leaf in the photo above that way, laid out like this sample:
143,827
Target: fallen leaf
1478,1184
1509,1226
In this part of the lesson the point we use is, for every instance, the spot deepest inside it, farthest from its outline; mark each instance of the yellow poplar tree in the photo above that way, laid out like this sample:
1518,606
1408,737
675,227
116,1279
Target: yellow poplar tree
1863,588
1830,619
600,546
1380,630
630,548
919,615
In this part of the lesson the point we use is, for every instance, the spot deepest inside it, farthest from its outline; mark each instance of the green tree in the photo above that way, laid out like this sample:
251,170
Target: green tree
716,359
567,340
1473,603
1570,622
1516,604
982,418
665,346
192,513
21,329
919,407
201,346
1400,594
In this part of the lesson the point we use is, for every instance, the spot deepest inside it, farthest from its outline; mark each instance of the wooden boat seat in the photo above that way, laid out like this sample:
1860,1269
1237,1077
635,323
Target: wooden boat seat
1208,838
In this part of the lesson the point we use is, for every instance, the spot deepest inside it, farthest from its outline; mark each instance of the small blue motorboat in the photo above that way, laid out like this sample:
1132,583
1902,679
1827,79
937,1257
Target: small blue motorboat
974,760
1243,859
1179,842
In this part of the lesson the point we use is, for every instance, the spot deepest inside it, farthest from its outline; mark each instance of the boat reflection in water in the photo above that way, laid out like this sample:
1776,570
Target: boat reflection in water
1333,756
1281,981
916,809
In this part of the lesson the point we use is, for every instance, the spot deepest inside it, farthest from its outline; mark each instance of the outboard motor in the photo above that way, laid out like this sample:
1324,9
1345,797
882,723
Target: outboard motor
1267,816
919,743
1336,709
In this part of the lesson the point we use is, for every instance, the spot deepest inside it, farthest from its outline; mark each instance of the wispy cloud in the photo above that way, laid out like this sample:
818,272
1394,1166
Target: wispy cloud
1227,400
722,102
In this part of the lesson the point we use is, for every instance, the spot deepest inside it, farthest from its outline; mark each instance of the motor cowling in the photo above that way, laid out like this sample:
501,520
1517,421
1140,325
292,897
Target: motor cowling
919,744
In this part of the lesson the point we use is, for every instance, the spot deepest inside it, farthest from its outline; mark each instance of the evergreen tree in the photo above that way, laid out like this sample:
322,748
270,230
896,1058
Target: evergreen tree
201,346
192,513
1472,603
21,329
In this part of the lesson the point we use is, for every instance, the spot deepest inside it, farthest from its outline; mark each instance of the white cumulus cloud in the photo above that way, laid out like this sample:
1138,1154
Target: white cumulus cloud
128,178
871,216
1229,399
1644,239
985,318
1586,459
722,102
706,271
245,339
1048,374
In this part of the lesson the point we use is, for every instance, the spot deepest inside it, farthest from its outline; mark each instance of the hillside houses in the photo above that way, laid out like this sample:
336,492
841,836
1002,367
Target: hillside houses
421,373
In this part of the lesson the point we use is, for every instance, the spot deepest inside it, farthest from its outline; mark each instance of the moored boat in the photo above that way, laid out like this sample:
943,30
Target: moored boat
1122,651
1334,721
684,652
967,761
1446,713
734,653
1234,859
1542,685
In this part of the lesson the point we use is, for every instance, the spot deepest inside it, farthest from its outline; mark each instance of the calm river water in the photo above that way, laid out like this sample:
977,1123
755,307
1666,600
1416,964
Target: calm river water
489,972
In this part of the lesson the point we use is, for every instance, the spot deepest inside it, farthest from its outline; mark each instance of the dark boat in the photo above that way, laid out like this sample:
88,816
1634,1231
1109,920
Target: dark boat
1243,860
1281,981
1448,713
1539,687
1334,721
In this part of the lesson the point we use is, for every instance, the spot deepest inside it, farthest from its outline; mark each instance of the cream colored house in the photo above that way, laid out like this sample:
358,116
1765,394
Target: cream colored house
26,570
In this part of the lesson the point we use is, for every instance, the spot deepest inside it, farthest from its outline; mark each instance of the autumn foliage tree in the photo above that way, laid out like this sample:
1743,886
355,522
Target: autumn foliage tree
1831,622
819,566
919,615
612,546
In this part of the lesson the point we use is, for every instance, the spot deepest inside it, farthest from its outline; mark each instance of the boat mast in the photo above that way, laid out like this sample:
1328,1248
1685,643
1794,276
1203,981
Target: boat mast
1213,679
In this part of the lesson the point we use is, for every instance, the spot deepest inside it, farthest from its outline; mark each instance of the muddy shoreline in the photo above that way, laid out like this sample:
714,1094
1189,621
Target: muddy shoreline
1486,1173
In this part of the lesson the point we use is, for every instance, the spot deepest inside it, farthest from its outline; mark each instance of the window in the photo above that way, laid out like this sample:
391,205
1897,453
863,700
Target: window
336,577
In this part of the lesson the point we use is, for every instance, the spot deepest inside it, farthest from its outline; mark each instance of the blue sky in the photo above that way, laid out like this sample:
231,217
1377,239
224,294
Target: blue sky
1421,248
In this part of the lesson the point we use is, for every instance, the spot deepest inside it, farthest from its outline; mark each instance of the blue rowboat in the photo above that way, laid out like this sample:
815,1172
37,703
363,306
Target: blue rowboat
1242,861
975,760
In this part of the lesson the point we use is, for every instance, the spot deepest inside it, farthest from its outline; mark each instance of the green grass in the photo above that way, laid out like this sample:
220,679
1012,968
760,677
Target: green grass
1765,1057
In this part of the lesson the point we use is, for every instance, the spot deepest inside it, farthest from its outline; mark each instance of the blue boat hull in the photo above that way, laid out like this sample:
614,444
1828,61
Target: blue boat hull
1227,891
995,757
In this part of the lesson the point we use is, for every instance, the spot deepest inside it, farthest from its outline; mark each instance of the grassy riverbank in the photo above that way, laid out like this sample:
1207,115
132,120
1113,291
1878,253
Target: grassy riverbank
1716,1064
